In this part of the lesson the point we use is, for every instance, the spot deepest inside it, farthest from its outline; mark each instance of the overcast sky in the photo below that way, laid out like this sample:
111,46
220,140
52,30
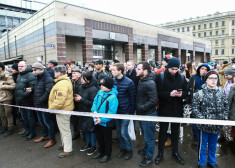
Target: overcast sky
154,11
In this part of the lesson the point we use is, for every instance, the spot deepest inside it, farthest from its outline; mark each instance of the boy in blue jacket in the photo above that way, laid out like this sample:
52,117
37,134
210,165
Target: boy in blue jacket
105,102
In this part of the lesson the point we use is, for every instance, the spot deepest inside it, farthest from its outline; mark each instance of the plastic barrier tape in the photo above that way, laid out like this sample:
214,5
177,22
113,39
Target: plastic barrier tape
134,117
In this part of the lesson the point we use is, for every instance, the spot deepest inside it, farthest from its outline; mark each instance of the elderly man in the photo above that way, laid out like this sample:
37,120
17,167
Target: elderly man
50,66
24,97
44,84
61,98
7,84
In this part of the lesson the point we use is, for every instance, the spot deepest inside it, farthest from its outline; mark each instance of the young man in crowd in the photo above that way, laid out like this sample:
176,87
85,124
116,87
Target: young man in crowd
61,98
126,98
131,72
172,89
146,102
100,74
50,67
44,84
7,85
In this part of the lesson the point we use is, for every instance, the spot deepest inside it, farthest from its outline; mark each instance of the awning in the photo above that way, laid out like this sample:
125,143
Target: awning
19,58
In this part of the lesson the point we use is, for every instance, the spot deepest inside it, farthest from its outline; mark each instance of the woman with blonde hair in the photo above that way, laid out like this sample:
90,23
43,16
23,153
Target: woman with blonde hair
189,70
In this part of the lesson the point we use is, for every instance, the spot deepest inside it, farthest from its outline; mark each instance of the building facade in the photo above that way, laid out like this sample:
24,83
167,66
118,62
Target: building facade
67,32
219,28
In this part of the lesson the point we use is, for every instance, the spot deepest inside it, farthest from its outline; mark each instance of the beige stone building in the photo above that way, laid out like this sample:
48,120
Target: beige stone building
67,32
218,27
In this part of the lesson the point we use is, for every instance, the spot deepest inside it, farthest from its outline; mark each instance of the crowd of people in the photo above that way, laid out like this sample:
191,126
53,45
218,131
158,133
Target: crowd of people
133,89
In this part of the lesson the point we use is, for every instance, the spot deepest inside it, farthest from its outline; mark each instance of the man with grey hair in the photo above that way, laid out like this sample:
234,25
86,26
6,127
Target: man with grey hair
44,84
25,83
61,98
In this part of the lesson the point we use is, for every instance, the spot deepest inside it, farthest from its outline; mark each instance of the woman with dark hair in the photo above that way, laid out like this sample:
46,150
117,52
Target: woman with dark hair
85,97
189,70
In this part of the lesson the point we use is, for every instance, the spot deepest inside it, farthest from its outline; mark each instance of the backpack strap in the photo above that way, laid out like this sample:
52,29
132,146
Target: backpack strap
103,102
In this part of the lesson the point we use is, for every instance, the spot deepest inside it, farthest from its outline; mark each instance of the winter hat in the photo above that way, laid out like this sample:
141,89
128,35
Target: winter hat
173,62
68,62
211,72
230,71
38,65
107,82
15,66
225,62
53,62
60,68
2,66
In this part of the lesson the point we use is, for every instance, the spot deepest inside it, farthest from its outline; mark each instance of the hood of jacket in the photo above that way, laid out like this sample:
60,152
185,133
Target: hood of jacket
150,76
205,65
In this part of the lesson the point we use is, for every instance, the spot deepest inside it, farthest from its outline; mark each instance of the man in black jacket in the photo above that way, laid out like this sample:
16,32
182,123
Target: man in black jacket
44,84
146,102
76,120
24,97
172,88
131,72
100,74
50,67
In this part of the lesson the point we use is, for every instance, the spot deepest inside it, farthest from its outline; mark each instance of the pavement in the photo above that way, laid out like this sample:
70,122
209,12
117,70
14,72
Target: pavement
17,153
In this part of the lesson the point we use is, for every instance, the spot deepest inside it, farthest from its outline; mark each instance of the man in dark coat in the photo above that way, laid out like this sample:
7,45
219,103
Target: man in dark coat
146,102
50,67
24,97
100,74
44,84
126,99
172,89
76,120
131,72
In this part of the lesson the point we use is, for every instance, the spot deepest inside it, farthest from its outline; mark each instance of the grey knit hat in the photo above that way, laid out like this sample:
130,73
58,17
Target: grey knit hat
60,68
230,71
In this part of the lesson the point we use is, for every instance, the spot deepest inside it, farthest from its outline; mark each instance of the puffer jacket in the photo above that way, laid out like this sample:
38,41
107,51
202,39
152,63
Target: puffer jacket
231,101
221,72
213,106
109,106
7,85
42,89
25,79
61,95
146,96
126,95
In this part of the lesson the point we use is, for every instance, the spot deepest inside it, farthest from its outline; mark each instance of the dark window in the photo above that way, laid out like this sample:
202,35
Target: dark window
233,41
216,32
199,27
232,50
210,33
232,31
204,26
194,35
204,34
194,27
233,22
222,51
182,29
178,29
223,32
216,24
216,42
210,25
188,28
222,42
199,34
223,23
216,52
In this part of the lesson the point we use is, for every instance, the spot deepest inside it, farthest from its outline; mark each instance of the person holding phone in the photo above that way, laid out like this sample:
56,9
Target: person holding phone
171,92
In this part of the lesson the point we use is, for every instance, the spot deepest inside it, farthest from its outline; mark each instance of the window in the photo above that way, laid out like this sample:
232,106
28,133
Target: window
232,31
204,26
188,28
194,27
204,34
223,32
199,34
223,23
216,32
222,42
199,27
233,41
233,22
216,52
178,29
182,29
216,24
16,21
232,50
194,35
210,25
9,21
2,20
210,33
222,51
216,42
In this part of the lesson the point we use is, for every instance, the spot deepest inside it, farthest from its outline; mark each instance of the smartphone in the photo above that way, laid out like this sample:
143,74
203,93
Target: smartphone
178,90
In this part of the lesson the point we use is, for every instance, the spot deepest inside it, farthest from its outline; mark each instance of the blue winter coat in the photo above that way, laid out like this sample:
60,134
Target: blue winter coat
110,104
126,95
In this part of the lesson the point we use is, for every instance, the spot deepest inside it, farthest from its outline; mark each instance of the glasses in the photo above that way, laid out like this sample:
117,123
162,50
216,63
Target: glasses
211,78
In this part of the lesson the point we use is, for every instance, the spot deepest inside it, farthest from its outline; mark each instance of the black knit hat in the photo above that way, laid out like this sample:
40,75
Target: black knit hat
15,66
2,66
173,62
211,72
107,82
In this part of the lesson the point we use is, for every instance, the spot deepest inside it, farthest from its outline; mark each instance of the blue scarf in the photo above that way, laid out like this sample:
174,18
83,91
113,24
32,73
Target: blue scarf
199,81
